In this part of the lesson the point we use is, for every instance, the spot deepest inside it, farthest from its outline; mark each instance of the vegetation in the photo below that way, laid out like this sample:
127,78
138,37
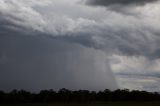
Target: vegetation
81,96
89,104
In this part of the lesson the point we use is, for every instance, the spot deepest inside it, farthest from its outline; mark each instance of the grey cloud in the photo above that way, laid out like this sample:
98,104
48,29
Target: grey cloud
118,43
130,38
133,37
118,2
33,60
125,7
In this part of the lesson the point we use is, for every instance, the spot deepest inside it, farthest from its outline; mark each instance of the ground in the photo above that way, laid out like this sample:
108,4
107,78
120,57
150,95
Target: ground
93,104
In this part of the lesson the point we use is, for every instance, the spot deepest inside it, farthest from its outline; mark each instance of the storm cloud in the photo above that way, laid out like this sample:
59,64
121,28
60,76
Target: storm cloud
65,39
127,7
36,63
118,2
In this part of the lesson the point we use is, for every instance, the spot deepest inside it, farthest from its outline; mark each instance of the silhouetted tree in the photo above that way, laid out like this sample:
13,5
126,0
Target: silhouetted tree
65,95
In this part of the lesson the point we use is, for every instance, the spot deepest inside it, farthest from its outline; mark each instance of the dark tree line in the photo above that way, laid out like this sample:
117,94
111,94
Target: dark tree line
65,95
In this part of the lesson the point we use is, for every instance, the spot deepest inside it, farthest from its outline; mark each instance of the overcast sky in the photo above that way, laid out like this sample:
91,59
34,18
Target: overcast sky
80,44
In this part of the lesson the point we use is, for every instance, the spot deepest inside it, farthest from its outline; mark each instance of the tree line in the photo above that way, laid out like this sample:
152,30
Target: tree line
65,95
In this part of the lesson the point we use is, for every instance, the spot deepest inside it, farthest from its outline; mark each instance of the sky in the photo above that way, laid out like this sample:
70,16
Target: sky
80,44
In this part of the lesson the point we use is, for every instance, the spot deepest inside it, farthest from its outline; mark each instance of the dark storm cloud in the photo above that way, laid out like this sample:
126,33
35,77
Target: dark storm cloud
33,60
42,62
118,2
72,48
130,38
118,43
125,7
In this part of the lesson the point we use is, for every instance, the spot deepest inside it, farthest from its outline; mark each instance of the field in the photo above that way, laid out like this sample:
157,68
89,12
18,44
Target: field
94,104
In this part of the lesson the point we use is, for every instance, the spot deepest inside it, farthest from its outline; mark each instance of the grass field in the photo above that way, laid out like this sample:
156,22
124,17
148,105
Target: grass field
93,104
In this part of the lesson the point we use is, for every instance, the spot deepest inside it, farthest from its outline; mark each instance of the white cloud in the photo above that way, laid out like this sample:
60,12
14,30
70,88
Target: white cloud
136,72
139,83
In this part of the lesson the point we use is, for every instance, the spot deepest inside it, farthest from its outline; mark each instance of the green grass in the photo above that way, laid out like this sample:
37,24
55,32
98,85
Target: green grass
93,104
